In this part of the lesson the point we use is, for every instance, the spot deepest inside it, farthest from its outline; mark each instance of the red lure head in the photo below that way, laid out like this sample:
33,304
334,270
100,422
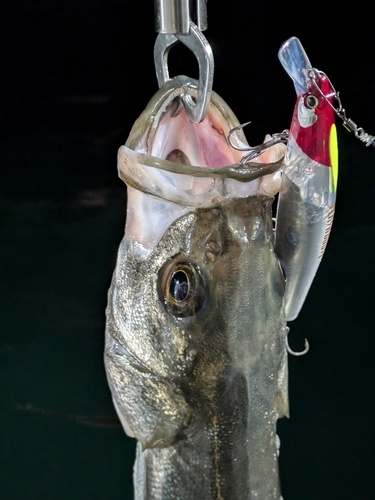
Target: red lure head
312,121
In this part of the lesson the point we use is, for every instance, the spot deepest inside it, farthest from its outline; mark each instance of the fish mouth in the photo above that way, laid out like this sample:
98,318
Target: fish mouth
165,139
181,141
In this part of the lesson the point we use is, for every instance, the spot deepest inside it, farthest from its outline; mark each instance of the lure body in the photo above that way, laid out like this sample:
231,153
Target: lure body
308,189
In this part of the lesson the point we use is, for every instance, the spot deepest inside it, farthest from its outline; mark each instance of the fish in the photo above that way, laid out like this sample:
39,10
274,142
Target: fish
307,197
195,350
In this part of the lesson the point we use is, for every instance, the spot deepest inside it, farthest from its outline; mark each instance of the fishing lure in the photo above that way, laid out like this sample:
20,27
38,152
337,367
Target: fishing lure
307,195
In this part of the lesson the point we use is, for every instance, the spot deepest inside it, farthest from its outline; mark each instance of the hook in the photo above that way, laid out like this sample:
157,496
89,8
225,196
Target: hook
255,151
198,44
234,129
290,351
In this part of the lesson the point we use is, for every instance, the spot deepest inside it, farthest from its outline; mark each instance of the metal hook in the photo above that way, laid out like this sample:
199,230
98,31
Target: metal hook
234,129
198,44
255,151
290,351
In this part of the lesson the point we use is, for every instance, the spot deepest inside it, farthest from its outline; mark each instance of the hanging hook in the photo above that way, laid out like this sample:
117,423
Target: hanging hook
255,151
174,22
198,44
294,353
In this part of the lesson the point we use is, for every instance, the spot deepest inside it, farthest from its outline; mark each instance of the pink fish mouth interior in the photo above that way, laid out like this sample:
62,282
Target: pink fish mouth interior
202,144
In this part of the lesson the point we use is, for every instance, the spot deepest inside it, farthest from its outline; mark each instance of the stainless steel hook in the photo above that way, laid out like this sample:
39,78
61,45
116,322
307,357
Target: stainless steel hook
253,152
290,351
198,44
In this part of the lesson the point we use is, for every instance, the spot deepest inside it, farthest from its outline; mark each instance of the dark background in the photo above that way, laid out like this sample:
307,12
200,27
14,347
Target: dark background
75,76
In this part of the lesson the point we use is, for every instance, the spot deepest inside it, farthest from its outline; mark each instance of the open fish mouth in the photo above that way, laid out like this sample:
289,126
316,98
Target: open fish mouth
172,166
195,164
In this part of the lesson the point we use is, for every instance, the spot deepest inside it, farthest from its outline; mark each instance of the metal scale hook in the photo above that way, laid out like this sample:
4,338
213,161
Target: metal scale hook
173,22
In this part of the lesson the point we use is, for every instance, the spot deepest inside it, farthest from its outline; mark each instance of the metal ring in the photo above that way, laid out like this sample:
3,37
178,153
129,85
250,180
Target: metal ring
198,44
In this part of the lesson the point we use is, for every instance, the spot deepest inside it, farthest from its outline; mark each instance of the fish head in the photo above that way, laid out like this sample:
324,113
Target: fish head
193,318
195,303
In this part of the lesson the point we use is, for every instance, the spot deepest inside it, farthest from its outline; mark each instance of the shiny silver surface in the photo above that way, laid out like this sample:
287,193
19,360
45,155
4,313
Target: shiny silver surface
197,43
174,16
202,393
195,336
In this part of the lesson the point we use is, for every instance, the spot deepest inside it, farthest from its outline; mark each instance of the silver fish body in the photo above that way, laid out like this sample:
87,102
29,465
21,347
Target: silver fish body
195,344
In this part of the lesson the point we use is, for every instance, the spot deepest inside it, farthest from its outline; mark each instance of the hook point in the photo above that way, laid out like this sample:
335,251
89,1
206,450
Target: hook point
294,353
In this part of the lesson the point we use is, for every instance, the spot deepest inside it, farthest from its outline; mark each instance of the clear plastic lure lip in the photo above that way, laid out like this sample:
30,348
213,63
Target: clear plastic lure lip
296,63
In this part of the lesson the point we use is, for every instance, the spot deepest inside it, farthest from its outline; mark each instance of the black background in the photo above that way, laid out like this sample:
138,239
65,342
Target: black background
75,76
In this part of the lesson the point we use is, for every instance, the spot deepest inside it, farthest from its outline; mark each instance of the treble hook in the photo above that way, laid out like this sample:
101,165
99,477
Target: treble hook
290,351
255,151
234,129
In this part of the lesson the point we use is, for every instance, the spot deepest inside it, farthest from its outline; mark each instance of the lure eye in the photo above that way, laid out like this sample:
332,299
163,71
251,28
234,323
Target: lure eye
181,288
311,101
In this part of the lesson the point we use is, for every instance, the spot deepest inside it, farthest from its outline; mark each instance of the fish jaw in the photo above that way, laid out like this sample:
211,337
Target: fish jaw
165,155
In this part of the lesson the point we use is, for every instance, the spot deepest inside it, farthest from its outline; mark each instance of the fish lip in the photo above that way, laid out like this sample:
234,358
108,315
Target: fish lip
237,171
141,170
134,169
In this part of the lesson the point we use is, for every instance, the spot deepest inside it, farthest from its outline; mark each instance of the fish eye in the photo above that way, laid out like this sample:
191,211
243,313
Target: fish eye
311,101
181,288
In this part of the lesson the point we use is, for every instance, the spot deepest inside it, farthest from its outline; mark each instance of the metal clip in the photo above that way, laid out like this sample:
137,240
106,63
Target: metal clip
255,151
349,124
198,44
